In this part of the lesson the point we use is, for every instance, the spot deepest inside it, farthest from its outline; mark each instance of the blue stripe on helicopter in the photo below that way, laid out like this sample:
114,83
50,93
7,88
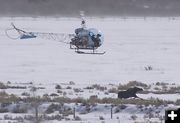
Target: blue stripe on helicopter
26,36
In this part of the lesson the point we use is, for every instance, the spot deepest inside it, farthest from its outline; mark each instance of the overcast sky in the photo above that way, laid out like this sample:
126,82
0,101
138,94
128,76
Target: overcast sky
91,7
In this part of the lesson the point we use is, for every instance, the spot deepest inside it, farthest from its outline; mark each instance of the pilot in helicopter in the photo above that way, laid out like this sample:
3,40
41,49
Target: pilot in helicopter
96,40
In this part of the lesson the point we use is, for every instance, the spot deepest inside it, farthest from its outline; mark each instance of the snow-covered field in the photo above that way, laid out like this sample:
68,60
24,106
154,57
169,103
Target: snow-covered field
130,45
88,113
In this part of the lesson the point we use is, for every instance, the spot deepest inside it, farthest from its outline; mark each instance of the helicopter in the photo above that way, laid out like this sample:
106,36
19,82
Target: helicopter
83,39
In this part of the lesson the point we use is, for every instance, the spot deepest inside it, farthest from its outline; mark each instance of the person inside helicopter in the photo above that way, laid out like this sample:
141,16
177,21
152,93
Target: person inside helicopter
96,40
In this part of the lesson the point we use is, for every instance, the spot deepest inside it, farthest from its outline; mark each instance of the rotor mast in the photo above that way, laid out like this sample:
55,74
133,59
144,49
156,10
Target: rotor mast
83,21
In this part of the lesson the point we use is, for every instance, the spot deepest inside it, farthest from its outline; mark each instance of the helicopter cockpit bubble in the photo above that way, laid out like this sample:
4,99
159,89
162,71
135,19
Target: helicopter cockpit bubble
97,34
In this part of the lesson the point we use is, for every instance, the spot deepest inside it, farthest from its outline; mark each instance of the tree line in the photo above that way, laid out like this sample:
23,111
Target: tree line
91,7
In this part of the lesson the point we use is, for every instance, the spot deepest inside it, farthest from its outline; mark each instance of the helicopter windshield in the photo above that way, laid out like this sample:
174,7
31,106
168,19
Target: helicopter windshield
93,31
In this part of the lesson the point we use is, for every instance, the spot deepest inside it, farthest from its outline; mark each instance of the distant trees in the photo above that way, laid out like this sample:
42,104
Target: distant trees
92,7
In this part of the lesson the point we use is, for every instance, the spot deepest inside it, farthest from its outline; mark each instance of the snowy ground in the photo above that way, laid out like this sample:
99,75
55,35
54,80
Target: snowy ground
82,91
90,113
130,45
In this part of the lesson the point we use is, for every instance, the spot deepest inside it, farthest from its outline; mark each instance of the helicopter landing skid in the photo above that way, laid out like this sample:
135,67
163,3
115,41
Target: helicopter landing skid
93,53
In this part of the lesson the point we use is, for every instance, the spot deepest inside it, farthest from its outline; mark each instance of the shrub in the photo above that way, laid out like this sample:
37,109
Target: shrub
64,93
3,94
62,100
18,109
132,84
77,118
80,100
113,90
53,117
8,82
101,118
33,89
25,94
67,119
89,87
28,117
17,87
53,107
19,119
57,117
136,83
3,110
66,112
150,115
93,97
58,87
98,87
106,93
41,88
13,98
45,95
6,98
122,107
148,68
177,102
174,90
54,95
7,117
161,83
157,89
3,105
86,110
72,83
68,87
2,86
59,91
117,110
164,88
77,90
133,117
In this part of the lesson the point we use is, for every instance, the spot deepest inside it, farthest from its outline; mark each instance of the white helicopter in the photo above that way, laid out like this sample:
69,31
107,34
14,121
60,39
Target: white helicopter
83,39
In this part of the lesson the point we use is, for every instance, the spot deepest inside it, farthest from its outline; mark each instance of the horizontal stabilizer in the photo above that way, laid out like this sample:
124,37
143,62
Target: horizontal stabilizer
27,36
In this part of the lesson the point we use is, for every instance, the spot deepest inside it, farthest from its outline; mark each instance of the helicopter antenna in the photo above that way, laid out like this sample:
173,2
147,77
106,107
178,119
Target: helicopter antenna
83,21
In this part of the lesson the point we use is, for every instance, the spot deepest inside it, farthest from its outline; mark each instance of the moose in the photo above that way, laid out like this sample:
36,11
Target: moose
131,92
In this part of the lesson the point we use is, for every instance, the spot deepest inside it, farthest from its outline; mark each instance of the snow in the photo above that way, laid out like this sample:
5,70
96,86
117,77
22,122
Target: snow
130,45
168,97
103,110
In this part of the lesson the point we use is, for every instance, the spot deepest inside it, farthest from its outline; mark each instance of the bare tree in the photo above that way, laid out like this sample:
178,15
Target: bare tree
35,104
